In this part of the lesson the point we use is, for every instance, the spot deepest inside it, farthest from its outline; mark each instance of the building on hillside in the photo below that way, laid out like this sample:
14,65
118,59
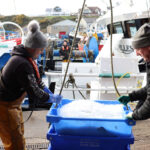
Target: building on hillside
91,11
61,28
56,11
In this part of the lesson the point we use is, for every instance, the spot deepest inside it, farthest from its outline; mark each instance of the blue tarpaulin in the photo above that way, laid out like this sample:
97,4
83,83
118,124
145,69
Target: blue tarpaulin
93,46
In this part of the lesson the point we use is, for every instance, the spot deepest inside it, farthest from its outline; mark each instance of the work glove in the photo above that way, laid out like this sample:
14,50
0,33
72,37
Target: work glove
53,98
46,89
124,100
129,115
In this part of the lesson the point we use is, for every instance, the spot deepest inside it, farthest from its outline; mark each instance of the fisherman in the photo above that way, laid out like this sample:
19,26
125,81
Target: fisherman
141,44
64,51
20,76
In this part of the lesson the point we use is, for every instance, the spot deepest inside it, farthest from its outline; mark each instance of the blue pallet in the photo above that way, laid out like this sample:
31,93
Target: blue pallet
67,142
90,126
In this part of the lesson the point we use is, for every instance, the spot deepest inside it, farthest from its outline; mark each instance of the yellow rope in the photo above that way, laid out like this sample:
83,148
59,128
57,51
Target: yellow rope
117,83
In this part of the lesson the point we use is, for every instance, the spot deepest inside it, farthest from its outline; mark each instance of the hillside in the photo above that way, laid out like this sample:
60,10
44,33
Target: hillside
23,20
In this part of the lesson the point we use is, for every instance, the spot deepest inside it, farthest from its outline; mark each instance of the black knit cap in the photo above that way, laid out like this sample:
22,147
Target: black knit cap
142,37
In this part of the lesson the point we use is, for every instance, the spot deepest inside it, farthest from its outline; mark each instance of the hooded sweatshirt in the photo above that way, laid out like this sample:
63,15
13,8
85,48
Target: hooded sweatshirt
18,76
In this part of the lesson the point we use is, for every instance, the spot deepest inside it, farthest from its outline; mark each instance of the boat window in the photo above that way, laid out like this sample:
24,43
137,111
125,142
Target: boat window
118,28
131,28
144,21
133,31
140,22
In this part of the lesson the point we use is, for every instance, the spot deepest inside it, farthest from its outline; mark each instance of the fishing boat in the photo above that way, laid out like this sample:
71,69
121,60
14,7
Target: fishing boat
97,75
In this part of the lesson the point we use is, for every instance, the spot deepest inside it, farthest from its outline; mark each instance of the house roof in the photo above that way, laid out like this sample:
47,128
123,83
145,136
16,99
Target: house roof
93,9
65,23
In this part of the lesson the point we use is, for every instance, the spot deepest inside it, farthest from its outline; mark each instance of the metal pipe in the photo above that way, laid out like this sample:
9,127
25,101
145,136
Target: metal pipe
102,89
84,75
12,23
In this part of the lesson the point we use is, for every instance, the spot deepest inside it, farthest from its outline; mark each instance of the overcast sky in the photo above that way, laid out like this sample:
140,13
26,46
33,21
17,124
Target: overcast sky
33,7
38,7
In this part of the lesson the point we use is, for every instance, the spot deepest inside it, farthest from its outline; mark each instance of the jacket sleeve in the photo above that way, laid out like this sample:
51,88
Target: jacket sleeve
144,111
27,80
41,84
140,94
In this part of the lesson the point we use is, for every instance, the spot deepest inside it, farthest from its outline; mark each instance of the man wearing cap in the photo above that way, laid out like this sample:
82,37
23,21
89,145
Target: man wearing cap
20,76
141,44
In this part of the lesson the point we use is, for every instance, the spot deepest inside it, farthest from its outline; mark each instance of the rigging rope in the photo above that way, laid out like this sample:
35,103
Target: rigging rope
68,62
71,81
111,52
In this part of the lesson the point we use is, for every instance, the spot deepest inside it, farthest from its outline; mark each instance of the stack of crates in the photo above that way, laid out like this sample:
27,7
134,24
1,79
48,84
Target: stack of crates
87,133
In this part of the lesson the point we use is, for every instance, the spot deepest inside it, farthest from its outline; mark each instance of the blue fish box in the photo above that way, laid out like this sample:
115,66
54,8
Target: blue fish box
90,126
67,142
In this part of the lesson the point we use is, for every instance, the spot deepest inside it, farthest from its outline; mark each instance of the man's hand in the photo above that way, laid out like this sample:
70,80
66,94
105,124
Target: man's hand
56,98
124,100
53,98
129,115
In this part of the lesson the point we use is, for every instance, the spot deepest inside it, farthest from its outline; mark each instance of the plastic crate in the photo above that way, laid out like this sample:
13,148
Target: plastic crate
67,142
90,126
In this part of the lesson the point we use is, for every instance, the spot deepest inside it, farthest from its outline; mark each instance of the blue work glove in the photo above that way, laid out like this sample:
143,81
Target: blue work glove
124,100
53,98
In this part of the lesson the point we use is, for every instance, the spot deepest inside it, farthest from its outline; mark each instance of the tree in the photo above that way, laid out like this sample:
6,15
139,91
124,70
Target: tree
21,19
